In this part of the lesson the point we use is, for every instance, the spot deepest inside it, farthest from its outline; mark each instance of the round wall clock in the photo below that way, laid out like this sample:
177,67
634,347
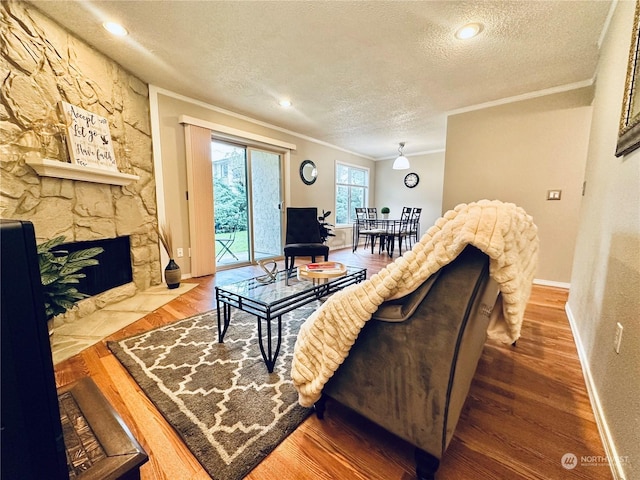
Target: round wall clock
411,180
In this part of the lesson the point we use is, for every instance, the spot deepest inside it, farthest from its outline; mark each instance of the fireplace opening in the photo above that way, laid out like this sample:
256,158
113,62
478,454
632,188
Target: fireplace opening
114,268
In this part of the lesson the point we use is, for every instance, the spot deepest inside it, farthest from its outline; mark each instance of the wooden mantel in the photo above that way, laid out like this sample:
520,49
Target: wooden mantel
55,168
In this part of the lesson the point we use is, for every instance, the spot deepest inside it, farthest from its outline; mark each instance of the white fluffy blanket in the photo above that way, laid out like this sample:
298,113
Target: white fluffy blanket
503,231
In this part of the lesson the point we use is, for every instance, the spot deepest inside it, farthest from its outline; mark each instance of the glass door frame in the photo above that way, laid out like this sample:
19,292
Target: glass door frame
248,147
253,257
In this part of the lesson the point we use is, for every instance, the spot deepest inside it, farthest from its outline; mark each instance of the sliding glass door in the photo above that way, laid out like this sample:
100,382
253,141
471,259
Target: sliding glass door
247,196
266,202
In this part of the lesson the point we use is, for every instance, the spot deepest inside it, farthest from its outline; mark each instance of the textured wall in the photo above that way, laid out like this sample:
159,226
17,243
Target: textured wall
171,152
390,190
515,153
605,283
41,64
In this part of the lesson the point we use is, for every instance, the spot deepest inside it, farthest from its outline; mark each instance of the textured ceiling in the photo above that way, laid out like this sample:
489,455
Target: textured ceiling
362,75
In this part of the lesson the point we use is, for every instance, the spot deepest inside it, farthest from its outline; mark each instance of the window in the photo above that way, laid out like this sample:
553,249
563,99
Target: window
352,190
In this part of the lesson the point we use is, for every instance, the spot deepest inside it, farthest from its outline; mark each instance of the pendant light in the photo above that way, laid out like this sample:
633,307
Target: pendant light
402,162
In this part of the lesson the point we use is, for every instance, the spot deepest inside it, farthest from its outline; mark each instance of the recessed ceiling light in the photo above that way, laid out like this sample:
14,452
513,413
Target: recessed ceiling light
115,28
469,31
284,103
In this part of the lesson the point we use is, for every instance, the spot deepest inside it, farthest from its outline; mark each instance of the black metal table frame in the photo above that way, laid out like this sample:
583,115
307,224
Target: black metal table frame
269,311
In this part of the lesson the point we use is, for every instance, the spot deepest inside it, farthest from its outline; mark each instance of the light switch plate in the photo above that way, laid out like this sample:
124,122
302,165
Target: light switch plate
554,194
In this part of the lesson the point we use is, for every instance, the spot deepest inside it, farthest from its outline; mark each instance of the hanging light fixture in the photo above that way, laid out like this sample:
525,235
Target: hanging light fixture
402,162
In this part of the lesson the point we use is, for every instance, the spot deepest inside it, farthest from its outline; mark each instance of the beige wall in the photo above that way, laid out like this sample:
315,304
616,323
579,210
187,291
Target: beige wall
515,153
391,192
171,155
605,283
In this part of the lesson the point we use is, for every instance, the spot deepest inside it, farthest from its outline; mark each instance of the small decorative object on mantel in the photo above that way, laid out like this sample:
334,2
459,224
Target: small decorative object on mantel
46,131
88,138
172,272
52,135
385,212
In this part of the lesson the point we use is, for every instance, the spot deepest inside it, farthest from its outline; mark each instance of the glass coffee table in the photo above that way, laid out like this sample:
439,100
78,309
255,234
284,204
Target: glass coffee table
268,301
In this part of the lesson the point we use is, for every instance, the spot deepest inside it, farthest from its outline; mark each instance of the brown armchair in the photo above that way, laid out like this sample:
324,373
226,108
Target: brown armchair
412,365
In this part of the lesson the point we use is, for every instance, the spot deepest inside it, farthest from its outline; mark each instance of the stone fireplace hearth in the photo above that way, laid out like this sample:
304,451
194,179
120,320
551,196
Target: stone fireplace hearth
71,337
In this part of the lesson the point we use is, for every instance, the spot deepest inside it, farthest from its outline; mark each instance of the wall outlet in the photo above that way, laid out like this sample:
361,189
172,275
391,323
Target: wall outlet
180,252
618,339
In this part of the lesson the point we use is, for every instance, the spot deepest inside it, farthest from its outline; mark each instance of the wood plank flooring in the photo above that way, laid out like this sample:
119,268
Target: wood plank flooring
526,408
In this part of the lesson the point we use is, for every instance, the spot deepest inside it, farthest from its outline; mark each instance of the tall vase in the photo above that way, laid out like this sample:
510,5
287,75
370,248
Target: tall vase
172,274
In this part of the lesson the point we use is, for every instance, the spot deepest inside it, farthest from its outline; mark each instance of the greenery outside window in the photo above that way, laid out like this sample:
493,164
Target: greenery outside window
352,190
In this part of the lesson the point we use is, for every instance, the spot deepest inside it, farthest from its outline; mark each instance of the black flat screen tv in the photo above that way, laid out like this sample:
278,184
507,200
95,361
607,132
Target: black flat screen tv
31,438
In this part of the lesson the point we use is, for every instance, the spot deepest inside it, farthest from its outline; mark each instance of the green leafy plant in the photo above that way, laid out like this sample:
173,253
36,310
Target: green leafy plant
59,270
385,210
325,227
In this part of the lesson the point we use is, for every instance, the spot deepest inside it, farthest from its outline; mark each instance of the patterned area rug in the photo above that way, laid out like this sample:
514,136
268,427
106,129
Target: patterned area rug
219,397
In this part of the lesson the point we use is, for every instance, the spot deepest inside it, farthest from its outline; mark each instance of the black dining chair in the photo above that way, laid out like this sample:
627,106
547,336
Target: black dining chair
414,225
366,226
398,229
302,237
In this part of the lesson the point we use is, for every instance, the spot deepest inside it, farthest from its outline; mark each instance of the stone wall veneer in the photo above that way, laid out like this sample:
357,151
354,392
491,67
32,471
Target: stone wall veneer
41,64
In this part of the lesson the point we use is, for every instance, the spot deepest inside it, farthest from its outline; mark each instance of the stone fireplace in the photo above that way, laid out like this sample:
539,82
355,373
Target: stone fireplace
113,269
43,64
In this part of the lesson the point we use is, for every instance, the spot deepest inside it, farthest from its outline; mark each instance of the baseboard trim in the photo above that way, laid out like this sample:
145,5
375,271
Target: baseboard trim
551,283
596,406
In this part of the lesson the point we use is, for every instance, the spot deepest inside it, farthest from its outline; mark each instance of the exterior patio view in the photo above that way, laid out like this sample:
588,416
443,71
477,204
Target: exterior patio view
246,184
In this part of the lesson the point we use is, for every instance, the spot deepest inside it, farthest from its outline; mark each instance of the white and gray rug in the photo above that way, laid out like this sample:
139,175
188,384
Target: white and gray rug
219,397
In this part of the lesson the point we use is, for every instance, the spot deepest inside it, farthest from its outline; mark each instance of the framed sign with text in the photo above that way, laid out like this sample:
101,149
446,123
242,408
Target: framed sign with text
88,138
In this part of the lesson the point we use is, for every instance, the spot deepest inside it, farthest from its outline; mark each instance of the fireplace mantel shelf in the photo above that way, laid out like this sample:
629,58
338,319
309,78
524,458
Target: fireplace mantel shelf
55,168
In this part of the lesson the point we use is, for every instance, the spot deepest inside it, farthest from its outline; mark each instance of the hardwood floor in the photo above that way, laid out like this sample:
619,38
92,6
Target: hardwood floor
526,408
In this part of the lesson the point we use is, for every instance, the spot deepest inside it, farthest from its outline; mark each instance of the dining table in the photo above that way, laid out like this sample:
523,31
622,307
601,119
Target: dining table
386,229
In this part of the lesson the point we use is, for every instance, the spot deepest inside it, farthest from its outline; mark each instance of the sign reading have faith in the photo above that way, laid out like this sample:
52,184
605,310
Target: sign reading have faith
88,138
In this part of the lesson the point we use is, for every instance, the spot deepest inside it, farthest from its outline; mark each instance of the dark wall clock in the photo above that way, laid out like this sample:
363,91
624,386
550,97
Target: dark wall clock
411,180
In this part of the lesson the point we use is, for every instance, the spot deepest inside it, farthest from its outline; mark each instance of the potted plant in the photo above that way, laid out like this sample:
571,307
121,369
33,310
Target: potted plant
59,271
325,227
172,272
385,212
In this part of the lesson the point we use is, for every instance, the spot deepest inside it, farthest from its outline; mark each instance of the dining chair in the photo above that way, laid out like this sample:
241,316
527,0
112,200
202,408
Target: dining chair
414,226
367,226
398,229
359,228
302,237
